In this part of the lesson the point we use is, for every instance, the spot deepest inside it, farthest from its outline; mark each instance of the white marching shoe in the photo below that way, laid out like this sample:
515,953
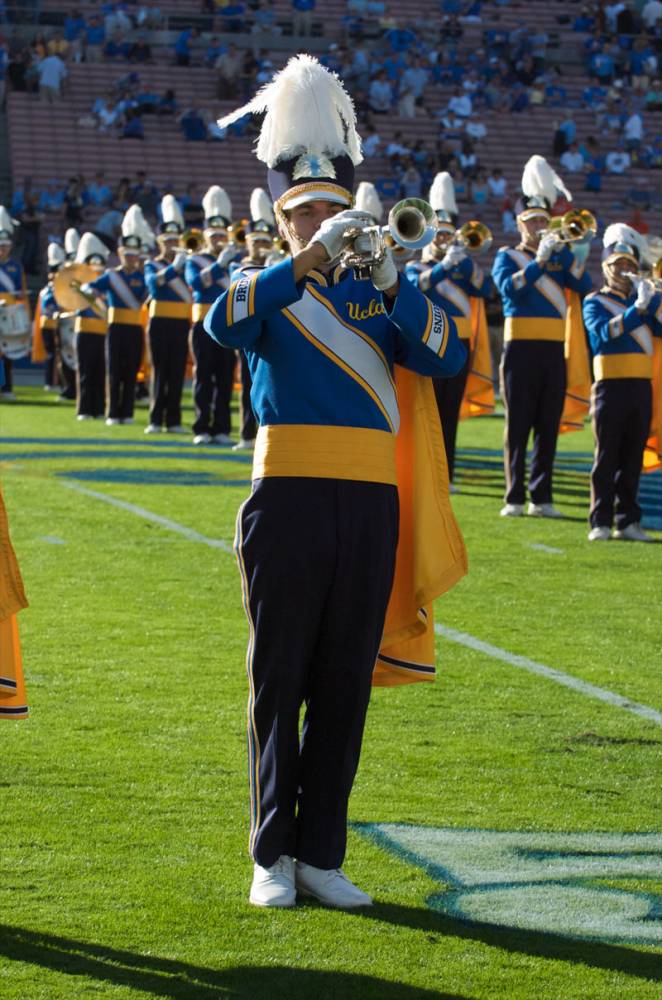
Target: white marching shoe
274,886
599,534
153,429
244,445
177,429
512,510
222,439
543,510
632,533
112,421
202,439
330,886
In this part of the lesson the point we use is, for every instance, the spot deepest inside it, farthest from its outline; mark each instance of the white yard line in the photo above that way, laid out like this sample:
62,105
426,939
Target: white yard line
148,515
567,680
463,638
540,547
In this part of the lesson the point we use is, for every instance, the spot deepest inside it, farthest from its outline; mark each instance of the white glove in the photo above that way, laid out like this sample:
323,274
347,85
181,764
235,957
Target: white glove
179,263
331,234
453,256
85,289
645,293
227,255
384,275
548,245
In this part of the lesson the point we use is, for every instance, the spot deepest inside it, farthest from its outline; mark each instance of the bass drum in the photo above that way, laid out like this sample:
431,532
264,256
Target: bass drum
67,340
15,332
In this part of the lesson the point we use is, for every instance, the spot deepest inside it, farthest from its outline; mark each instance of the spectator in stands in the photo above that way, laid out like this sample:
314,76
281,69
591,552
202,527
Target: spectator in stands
508,223
167,105
565,133
191,204
556,95
497,184
414,81
105,112
525,69
302,16
618,160
133,125
229,66
74,203
411,182
397,152
52,73
149,15
116,47
467,159
594,164
140,51
371,142
478,189
95,36
380,95
638,222
572,160
633,131
51,199
74,33
585,21
214,50
123,196
145,194
602,67
651,15
458,109
30,219
109,226
231,15
265,18
193,126
475,130
183,44
654,96
519,98
445,156
98,193
594,97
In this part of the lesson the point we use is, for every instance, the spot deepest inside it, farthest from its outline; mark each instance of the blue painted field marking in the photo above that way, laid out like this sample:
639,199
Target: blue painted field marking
544,882
197,456
151,477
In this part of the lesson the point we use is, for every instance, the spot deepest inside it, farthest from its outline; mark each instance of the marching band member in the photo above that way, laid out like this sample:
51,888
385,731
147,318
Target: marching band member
260,233
13,291
125,291
621,320
316,539
169,321
207,276
91,329
450,279
45,346
532,280
71,241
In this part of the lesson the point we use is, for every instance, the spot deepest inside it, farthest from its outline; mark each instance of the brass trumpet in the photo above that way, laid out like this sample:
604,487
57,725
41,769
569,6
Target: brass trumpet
237,232
412,224
193,240
474,236
577,224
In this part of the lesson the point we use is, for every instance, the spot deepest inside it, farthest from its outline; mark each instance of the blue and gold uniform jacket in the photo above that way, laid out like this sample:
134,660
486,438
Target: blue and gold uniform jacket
87,321
125,294
13,287
170,296
621,338
534,295
207,280
321,355
452,288
48,308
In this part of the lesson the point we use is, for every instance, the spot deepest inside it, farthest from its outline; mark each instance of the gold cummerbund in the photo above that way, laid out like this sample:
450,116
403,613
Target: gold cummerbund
463,324
89,324
534,328
316,451
622,366
10,299
200,310
127,317
170,310
47,323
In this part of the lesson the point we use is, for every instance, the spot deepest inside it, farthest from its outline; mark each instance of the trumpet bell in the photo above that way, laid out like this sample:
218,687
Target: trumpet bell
412,223
193,239
67,296
475,236
577,224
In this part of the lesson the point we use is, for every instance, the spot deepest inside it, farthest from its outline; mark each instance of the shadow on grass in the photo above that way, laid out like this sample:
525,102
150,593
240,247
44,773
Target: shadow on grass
594,954
164,977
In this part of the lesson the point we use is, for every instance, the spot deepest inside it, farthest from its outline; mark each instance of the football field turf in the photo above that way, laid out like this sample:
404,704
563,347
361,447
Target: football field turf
506,818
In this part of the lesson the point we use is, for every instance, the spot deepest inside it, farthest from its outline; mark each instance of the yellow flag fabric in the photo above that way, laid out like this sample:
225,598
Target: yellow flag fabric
38,349
431,555
478,396
578,368
653,450
13,703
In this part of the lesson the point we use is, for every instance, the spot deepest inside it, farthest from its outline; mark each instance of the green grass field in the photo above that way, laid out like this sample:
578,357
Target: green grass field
508,826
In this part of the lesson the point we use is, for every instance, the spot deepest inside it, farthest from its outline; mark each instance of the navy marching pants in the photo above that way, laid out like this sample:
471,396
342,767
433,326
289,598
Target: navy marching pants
449,393
248,428
622,409
124,354
48,338
91,374
317,558
168,348
212,383
533,382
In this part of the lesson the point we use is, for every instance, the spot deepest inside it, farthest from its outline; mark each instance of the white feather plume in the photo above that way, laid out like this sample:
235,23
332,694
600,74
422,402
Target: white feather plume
55,254
442,194
619,232
6,221
171,211
367,200
133,221
89,245
307,110
217,202
261,208
539,180
71,241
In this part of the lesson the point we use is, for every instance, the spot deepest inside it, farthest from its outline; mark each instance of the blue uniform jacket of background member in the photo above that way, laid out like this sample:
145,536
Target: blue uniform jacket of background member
164,282
205,277
321,351
123,290
612,319
432,279
12,281
516,274
48,306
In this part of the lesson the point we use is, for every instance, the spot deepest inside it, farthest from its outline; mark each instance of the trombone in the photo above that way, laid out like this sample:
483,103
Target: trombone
412,224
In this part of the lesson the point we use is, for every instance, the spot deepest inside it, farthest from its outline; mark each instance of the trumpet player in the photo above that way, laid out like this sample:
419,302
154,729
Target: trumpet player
46,319
316,540
207,276
621,321
533,279
169,321
90,332
13,291
450,279
125,292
